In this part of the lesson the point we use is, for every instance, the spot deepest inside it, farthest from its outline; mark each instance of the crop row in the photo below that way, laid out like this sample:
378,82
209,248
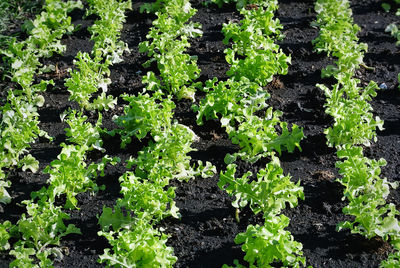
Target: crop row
131,226
93,70
19,123
254,59
354,126
39,232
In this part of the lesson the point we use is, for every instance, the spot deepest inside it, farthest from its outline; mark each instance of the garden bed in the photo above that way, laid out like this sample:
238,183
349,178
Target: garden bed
204,236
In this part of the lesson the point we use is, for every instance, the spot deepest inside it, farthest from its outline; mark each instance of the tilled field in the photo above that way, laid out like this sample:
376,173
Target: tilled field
204,236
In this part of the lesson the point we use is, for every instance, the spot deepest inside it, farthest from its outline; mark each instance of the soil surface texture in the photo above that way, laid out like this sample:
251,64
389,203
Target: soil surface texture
204,236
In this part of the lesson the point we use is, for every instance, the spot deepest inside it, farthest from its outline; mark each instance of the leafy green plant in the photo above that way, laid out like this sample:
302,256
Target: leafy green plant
354,121
48,28
18,129
338,37
81,132
106,31
146,193
254,54
394,31
5,197
258,136
147,197
270,243
387,7
70,175
392,261
19,125
40,232
5,235
230,101
135,243
235,103
92,70
254,59
166,158
259,66
89,76
367,194
168,43
268,193
142,115
12,13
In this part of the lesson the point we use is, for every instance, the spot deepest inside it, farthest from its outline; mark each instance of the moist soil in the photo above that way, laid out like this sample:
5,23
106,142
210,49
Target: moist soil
204,236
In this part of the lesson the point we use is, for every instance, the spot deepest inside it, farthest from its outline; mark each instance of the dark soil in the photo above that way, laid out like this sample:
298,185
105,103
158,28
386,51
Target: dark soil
204,236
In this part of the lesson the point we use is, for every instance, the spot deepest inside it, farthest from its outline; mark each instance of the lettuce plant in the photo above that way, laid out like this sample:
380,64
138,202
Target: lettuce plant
270,243
168,41
254,54
92,70
142,115
81,132
5,235
259,135
18,129
354,122
366,193
70,175
256,136
166,158
146,195
269,193
135,242
392,261
19,117
394,31
40,233
5,197
89,76
107,30
338,37
230,101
